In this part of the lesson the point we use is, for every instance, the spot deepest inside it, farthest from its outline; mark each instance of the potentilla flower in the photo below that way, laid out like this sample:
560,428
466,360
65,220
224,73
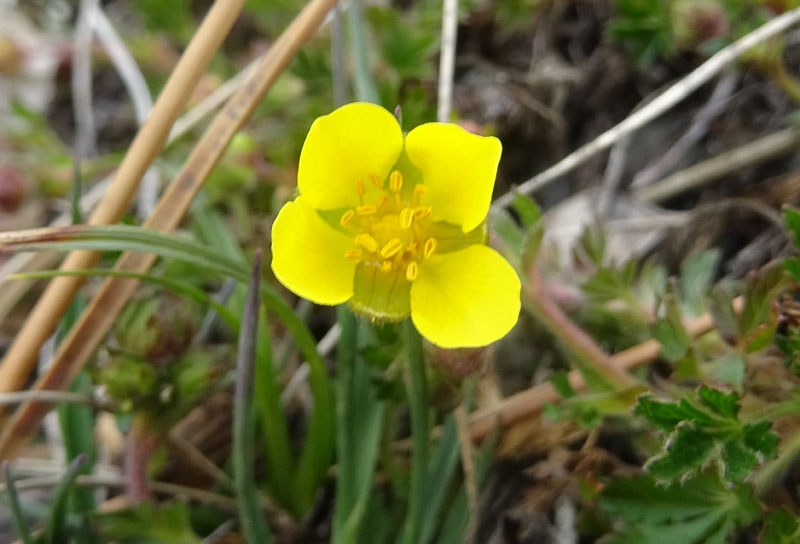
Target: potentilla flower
396,226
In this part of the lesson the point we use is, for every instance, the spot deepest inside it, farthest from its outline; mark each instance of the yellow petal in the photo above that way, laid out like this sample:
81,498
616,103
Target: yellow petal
467,298
308,255
458,168
349,147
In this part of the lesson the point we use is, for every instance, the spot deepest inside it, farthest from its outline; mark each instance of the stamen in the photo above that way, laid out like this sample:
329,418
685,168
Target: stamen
411,271
360,187
347,217
382,200
375,181
430,247
406,218
422,211
386,266
420,190
369,209
395,181
391,248
367,242
354,254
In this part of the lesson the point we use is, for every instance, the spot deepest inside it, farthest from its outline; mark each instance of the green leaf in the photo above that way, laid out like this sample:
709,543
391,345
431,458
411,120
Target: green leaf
699,510
780,527
706,429
528,211
686,451
147,523
667,415
724,404
761,438
55,526
15,509
697,274
792,217
792,266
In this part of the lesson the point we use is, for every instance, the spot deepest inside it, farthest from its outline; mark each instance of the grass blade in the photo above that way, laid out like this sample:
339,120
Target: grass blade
252,522
54,530
420,432
365,84
17,518
442,467
360,420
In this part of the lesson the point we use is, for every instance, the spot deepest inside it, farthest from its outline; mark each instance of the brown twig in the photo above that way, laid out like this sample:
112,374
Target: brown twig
90,329
42,321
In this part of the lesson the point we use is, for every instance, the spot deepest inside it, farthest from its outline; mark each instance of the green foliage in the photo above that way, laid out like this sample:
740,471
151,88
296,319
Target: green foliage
702,509
645,28
780,527
706,429
147,523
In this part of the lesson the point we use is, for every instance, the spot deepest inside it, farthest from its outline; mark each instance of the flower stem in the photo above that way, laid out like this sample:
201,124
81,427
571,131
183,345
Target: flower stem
142,443
594,363
418,405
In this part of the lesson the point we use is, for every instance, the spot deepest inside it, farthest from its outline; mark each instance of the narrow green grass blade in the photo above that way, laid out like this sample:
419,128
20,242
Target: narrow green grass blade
437,482
360,419
276,439
250,517
364,82
17,518
77,421
420,432
458,517
175,286
54,529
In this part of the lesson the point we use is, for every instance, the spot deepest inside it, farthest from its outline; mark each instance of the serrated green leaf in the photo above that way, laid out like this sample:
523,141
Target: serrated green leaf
667,415
725,404
700,510
738,460
761,438
780,527
686,451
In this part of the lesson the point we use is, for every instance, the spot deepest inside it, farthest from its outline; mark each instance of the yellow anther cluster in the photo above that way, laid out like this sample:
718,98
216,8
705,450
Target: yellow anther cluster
391,227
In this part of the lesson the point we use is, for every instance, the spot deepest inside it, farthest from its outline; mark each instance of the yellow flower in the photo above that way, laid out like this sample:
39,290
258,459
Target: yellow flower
396,226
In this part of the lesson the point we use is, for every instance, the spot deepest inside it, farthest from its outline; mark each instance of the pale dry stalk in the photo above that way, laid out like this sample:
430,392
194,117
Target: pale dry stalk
42,321
96,320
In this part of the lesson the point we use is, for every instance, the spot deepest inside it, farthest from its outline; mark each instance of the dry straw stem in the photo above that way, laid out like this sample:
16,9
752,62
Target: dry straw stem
778,143
41,323
87,333
528,402
669,98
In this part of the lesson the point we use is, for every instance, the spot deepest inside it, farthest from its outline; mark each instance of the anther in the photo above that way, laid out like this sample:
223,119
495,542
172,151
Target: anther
367,242
422,211
360,187
382,200
347,217
395,181
391,248
354,254
430,247
369,209
411,271
420,190
406,218
386,266
375,181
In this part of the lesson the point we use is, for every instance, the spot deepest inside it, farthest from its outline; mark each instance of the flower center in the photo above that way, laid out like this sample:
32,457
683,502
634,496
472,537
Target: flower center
391,231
